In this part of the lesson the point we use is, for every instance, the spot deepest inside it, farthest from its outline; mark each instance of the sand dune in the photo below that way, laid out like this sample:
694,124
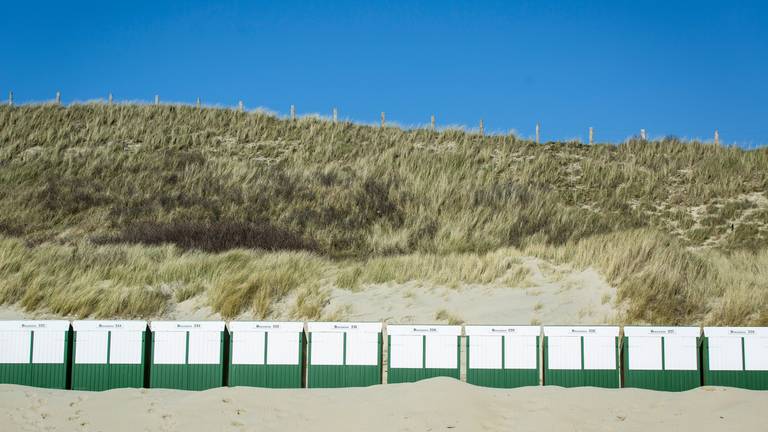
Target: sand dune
434,405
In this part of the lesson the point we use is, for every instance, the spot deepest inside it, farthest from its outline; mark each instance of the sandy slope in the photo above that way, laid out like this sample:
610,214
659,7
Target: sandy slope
549,294
434,405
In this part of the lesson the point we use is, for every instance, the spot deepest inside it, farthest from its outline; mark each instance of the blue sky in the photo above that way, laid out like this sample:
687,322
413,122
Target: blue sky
672,67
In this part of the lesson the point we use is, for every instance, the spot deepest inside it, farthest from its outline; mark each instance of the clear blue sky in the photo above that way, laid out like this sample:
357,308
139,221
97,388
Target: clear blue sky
673,67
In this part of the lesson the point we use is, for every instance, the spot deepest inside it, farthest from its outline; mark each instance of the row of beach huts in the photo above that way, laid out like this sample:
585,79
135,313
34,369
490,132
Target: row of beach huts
197,355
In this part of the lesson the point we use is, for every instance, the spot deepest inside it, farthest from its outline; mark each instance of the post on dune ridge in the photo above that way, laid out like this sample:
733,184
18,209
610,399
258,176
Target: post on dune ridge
10,98
58,98
157,99
717,137
591,135
538,132
482,128
335,115
293,112
109,99
383,119
432,121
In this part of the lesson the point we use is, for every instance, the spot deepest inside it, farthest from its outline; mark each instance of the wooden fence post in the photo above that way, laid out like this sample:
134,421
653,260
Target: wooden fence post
109,99
591,135
432,121
642,134
197,102
335,115
157,99
240,106
717,137
383,119
58,98
538,132
482,129
293,112
10,98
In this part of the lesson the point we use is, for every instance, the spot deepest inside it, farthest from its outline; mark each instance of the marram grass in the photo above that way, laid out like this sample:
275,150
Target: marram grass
258,207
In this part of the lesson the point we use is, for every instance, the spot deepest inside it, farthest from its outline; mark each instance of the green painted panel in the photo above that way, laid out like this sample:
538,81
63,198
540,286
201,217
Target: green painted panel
336,376
98,377
751,380
20,374
664,380
582,378
503,378
403,375
188,376
52,376
270,376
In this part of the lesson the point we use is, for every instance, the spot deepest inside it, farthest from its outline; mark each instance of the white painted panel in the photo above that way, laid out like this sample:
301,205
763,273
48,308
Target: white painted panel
630,331
736,331
91,347
347,327
581,331
406,351
327,348
187,326
644,353
402,329
441,352
283,348
248,348
110,325
756,354
170,347
125,347
520,352
680,353
48,347
483,330
205,347
485,352
268,326
599,352
563,352
29,325
725,353
363,349
14,347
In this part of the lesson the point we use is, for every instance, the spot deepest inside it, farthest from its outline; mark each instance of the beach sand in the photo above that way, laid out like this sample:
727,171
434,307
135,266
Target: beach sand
440,404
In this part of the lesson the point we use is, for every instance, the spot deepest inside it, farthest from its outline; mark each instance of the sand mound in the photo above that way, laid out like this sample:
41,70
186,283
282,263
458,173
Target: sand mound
433,405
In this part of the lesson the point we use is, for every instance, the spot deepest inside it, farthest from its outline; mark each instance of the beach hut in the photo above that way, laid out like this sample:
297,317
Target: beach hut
503,356
265,354
108,354
34,353
417,352
343,354
581,356
661,358
187,355
736,357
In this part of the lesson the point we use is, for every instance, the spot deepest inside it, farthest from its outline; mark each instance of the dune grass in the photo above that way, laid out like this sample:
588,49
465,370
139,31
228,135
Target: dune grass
257,207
